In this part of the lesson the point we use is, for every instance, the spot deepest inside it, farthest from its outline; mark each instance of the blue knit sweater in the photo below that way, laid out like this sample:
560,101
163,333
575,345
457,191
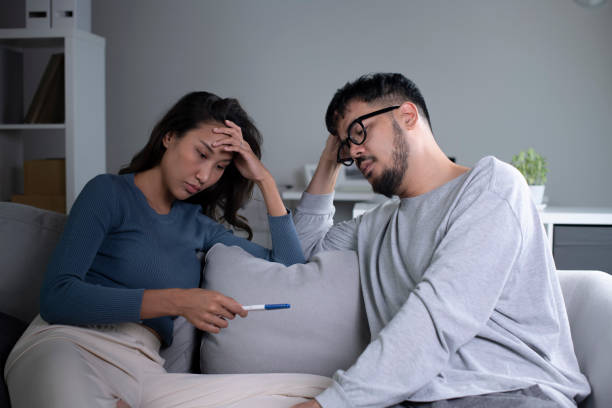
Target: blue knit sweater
114,246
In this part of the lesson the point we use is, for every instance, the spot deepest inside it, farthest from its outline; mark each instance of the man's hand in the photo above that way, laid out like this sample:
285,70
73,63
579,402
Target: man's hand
324,179
330,152
308,404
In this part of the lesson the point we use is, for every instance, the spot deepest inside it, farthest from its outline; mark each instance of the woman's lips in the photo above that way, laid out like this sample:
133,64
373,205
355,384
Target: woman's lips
191,188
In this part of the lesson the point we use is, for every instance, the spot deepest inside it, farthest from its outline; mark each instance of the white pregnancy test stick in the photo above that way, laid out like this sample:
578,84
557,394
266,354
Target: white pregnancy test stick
273,306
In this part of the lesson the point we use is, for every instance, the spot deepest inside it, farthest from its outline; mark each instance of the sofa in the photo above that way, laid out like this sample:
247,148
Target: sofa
320,333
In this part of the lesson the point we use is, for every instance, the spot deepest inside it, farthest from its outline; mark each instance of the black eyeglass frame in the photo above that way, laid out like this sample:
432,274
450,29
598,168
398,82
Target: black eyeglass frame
359,120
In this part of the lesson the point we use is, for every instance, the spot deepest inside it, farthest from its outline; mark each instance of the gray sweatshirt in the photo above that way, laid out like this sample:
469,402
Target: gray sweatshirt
461,294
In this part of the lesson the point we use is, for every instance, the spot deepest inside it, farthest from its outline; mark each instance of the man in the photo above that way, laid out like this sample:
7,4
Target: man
459,284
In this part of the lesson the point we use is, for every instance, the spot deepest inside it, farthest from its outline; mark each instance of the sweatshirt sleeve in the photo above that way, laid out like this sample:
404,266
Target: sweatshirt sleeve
286,247
447,308
314,221
66,297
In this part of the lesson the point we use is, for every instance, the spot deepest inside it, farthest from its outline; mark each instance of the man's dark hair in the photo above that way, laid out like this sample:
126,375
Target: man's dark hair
381,87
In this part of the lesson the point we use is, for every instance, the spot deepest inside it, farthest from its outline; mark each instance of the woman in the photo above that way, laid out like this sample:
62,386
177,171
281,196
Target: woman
127,264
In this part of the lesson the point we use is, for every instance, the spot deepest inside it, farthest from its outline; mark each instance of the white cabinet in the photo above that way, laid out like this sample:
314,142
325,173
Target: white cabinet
81,139
580,237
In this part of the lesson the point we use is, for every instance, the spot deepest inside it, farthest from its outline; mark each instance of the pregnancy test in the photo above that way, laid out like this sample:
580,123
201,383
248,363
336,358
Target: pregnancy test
271,306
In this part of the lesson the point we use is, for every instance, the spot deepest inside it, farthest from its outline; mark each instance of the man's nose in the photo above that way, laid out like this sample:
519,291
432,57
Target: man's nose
356,150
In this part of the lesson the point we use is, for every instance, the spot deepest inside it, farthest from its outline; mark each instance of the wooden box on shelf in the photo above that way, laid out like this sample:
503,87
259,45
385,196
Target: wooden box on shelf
44,184
44,177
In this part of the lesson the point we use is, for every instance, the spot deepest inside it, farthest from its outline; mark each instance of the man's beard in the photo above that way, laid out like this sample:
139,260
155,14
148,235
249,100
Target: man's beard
390,180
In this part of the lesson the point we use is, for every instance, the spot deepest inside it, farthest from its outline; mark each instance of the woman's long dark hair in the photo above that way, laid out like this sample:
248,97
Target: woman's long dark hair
222,200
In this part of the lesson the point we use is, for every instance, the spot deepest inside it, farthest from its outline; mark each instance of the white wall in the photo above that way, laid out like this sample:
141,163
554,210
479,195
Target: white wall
498,76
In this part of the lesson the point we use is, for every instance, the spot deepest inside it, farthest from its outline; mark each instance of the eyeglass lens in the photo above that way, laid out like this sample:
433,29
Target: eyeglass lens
357,133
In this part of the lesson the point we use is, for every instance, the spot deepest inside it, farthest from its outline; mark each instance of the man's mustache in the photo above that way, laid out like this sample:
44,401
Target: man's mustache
361,159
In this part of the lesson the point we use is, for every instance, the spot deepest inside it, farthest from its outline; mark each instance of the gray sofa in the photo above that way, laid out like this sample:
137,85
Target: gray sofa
28,235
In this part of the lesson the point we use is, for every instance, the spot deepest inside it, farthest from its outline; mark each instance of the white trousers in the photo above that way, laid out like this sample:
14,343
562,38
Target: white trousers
69,366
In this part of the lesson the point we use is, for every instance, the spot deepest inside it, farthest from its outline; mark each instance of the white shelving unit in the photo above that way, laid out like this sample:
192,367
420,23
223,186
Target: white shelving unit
84,131
29,126
340,195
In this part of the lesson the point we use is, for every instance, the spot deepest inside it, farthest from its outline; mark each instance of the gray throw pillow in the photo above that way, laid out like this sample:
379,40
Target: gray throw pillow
324,330
28,236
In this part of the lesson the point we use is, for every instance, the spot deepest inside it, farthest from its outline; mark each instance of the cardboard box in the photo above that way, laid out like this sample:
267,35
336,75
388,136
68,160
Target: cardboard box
71,14
55,203
38,14
44,177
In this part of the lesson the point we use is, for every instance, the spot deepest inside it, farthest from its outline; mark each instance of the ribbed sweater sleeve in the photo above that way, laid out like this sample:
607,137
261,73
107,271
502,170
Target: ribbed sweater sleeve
286,247
66,297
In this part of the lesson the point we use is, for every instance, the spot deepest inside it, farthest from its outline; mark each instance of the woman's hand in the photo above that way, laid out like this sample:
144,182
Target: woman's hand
250,166
205,309
245,160
208,310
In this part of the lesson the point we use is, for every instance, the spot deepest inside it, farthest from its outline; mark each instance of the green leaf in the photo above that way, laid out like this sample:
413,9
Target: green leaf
532,166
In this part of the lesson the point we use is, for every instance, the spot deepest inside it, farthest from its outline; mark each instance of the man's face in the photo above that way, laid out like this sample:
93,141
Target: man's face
383,157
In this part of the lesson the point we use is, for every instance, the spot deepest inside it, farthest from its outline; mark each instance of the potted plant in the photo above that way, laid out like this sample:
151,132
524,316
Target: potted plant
533,167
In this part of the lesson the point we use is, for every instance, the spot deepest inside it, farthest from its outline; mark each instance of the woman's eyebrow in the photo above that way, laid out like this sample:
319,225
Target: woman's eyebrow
210,149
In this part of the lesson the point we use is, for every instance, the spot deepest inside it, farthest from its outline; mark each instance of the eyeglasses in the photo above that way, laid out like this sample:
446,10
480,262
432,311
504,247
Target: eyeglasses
356,134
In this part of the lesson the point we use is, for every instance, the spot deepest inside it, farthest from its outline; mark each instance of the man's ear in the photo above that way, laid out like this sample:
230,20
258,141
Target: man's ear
168,138
409,114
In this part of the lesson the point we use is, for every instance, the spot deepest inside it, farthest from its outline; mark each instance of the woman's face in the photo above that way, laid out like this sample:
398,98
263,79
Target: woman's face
191,164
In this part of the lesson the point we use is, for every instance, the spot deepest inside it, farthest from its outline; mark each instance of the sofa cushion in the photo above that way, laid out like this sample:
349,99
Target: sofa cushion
28,236
11,329
324,330
588,300
182,356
